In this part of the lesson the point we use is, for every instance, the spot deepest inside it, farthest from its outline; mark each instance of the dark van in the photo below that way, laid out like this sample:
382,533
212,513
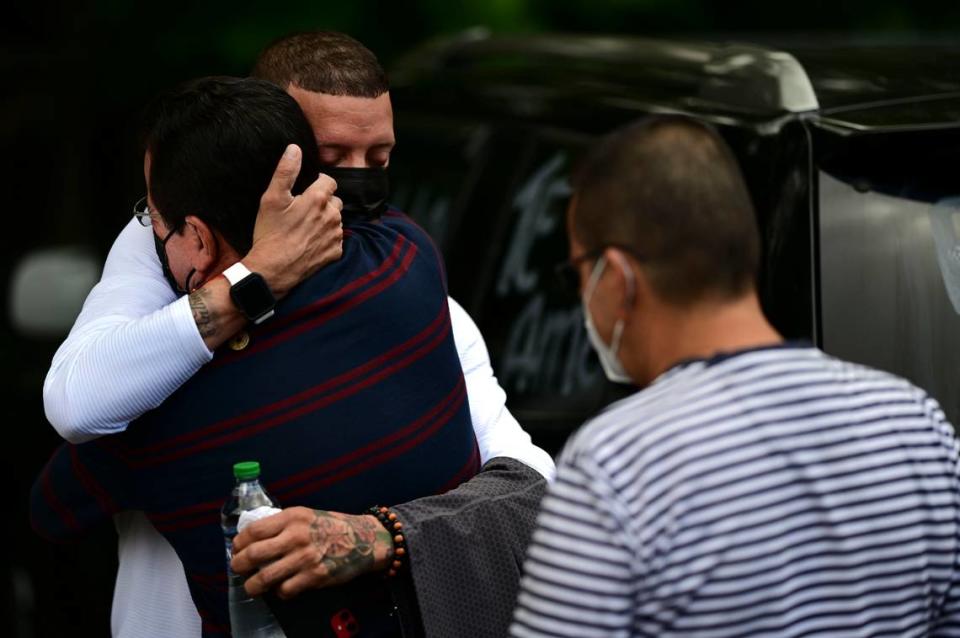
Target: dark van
851,155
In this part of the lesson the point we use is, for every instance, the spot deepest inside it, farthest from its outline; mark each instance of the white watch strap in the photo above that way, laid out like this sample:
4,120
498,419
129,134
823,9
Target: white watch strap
236,272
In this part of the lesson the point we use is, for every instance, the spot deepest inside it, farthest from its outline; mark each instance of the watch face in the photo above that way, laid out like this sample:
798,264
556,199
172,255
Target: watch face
252,296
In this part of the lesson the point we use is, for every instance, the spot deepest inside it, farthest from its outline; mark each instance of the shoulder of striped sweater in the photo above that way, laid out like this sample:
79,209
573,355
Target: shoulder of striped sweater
398,216
631,411
404,223
850,371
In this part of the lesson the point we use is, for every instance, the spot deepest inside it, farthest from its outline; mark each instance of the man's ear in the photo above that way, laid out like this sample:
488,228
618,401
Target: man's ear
206,246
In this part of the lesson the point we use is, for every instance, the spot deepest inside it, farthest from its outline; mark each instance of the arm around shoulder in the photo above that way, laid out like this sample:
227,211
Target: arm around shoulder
134,343
131,347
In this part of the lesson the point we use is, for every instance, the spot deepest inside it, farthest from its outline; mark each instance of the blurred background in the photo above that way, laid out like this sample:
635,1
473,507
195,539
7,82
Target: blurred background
78,73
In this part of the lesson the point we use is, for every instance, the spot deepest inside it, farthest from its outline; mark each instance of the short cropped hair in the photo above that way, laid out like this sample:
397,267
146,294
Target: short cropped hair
669,189
323,62
214,144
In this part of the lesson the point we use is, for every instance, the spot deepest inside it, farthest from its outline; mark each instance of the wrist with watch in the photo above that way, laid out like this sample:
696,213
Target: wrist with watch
250,293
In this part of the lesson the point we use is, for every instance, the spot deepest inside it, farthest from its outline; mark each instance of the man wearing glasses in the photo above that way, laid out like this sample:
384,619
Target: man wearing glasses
752,487
94,389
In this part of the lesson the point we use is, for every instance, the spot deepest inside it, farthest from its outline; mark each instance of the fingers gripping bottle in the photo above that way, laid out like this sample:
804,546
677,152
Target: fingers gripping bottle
249,616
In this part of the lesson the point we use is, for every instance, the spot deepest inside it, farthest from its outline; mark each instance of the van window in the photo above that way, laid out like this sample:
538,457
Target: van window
533,324
890,259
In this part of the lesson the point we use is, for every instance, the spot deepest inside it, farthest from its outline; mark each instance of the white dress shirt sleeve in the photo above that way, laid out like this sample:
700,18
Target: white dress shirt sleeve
135,343
132,346
497,431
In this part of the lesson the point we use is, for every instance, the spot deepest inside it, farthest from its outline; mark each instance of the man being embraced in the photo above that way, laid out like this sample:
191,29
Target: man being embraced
350,396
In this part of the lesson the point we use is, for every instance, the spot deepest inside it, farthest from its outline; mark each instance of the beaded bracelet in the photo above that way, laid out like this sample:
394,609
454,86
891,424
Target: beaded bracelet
389,520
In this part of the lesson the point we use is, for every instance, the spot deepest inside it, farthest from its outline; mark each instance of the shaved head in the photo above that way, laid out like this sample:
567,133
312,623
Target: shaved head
323,62
669,188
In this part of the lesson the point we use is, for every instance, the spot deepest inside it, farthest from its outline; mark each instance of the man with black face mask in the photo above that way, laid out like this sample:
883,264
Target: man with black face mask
344,95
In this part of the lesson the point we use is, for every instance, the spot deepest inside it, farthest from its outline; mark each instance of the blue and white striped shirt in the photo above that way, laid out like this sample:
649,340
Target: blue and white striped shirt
773,492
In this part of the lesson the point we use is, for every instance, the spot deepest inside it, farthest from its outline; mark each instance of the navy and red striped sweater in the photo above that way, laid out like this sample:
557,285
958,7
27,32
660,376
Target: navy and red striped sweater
352,395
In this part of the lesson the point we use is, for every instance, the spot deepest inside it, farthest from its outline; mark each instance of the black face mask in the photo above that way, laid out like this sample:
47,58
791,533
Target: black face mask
161,246
364,191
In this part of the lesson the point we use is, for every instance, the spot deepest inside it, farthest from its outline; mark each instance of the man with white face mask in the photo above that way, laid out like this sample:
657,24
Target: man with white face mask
753,486
607,354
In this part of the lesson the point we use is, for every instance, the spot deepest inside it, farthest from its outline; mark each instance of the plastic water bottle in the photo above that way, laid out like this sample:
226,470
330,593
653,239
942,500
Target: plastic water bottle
249,616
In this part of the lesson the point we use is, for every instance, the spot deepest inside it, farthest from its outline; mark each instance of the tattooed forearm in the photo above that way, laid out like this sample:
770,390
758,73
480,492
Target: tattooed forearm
346,543
202,315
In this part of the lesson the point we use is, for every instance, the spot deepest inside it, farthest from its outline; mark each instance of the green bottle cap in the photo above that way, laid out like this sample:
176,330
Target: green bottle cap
246,470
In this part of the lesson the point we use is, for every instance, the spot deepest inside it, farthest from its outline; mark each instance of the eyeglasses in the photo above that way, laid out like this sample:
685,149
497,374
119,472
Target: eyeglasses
142,212
568,274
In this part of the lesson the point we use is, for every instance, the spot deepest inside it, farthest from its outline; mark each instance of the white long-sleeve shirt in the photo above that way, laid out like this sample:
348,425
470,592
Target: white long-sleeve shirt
132,346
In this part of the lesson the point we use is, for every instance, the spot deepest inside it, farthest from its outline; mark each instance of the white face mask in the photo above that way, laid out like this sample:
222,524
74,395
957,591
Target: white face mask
608,355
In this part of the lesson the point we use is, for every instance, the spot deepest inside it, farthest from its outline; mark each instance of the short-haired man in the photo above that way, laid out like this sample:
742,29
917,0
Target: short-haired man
753,487
353,396
125,328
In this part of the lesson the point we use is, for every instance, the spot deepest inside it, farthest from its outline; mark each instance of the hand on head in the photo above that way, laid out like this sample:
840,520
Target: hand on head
295,236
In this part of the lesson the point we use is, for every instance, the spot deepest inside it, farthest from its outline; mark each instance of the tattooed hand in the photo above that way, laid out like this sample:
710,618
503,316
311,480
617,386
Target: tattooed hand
300,549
